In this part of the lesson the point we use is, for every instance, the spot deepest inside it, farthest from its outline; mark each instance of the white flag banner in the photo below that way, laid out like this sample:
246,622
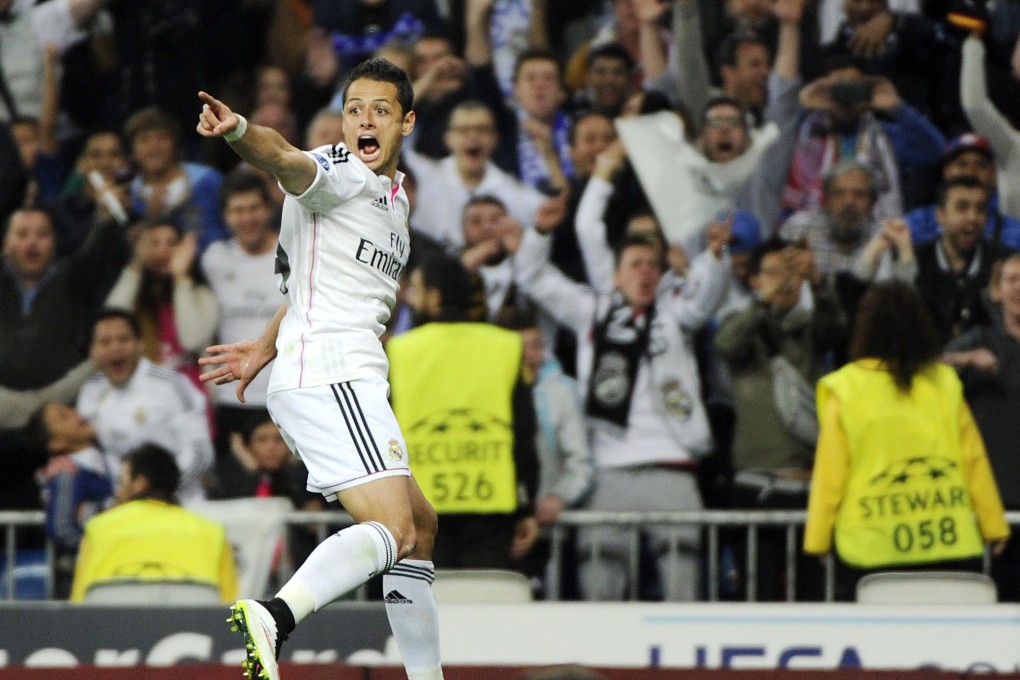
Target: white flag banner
685,189
256,531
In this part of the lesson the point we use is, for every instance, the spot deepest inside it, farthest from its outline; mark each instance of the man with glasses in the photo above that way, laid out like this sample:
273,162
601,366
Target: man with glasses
724,134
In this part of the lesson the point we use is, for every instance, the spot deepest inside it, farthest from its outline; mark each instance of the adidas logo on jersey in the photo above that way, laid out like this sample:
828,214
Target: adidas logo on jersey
382,203
394,597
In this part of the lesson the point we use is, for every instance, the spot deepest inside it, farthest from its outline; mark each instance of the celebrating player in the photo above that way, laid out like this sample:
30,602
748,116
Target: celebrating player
343,244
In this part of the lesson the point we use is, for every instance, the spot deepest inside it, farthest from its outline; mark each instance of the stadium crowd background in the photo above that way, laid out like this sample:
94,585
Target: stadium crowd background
877,110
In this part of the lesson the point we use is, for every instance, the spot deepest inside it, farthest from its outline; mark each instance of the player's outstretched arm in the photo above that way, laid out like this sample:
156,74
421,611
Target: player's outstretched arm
242,361
259,145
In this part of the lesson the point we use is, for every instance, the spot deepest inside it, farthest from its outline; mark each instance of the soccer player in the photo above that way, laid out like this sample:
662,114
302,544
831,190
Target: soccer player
343,244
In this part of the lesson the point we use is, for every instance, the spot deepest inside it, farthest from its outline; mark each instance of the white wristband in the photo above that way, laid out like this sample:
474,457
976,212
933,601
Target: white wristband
238,132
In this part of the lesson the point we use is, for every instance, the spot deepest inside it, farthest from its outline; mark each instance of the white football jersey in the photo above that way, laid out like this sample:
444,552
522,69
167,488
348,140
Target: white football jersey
343,246
249,296
155,405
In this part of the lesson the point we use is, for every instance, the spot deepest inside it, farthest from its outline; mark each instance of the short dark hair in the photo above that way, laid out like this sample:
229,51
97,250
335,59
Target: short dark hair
610,50
518,319
893,325
241,180
964,181
169,219
33,208
158,466
836,57
630,241
581,117
152,118
116,313
383,71
482,199
447,275
254,421
773,244
534,54
470,105
726,53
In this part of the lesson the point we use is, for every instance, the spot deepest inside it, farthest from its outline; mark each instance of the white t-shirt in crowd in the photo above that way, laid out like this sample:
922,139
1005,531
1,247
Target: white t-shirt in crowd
155,405
248,295
443,193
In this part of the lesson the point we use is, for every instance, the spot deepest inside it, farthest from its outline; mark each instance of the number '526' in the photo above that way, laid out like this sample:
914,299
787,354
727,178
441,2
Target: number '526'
461,486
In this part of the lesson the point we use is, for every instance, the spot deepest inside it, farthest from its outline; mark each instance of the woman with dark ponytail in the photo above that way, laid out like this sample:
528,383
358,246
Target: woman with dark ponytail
901,478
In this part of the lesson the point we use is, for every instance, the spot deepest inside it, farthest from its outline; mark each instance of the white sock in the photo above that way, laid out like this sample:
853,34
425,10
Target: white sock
338,565
411,609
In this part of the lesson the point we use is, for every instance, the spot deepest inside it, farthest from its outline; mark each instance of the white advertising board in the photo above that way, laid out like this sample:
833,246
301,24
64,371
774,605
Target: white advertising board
738,636
627,635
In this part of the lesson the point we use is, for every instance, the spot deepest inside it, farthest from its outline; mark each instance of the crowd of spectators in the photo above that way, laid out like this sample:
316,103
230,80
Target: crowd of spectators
688,199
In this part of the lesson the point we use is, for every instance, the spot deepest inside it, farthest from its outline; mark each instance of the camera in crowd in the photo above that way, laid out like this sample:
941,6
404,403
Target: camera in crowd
852,92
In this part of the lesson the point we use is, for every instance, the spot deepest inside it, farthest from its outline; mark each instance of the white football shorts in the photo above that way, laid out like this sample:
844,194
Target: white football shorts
345,434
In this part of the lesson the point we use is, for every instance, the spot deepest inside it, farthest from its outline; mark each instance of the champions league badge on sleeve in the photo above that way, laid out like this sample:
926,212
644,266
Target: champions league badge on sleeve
321,160
611,380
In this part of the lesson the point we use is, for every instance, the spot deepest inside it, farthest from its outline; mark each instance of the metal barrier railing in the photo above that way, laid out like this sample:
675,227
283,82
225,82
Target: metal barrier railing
711,521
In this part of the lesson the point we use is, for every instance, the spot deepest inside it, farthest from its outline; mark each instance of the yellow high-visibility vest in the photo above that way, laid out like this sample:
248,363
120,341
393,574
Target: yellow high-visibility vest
906,500
452,387
149,540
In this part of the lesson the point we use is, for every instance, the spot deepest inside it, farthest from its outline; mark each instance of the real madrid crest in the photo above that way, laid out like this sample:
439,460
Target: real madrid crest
396,453
611,379
676,400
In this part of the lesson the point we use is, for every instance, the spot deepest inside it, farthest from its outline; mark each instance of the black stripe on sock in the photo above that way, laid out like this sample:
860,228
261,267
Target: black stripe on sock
428,571
426,576
388,542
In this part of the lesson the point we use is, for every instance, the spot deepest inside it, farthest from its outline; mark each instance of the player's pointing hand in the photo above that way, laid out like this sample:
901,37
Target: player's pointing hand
216,118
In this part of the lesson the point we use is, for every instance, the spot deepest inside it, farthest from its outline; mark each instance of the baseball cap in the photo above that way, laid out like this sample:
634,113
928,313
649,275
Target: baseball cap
966,142
745,231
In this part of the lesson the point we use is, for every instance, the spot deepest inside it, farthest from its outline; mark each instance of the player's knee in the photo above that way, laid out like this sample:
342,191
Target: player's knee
406,537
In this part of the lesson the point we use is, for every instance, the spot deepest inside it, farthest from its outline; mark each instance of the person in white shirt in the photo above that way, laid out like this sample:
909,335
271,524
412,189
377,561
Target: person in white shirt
240,272
638,377
468,171
27,29
131,401
343,246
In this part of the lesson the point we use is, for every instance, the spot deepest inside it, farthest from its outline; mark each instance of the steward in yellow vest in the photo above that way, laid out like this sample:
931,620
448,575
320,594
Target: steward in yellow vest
469,425
901,478
148,538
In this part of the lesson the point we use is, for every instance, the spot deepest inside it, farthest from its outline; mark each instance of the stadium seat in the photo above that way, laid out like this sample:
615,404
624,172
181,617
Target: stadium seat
926,587
29,578
153,592
481,586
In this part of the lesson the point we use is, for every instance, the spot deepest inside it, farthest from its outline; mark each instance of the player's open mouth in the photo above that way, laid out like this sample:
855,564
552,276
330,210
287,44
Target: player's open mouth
368,147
